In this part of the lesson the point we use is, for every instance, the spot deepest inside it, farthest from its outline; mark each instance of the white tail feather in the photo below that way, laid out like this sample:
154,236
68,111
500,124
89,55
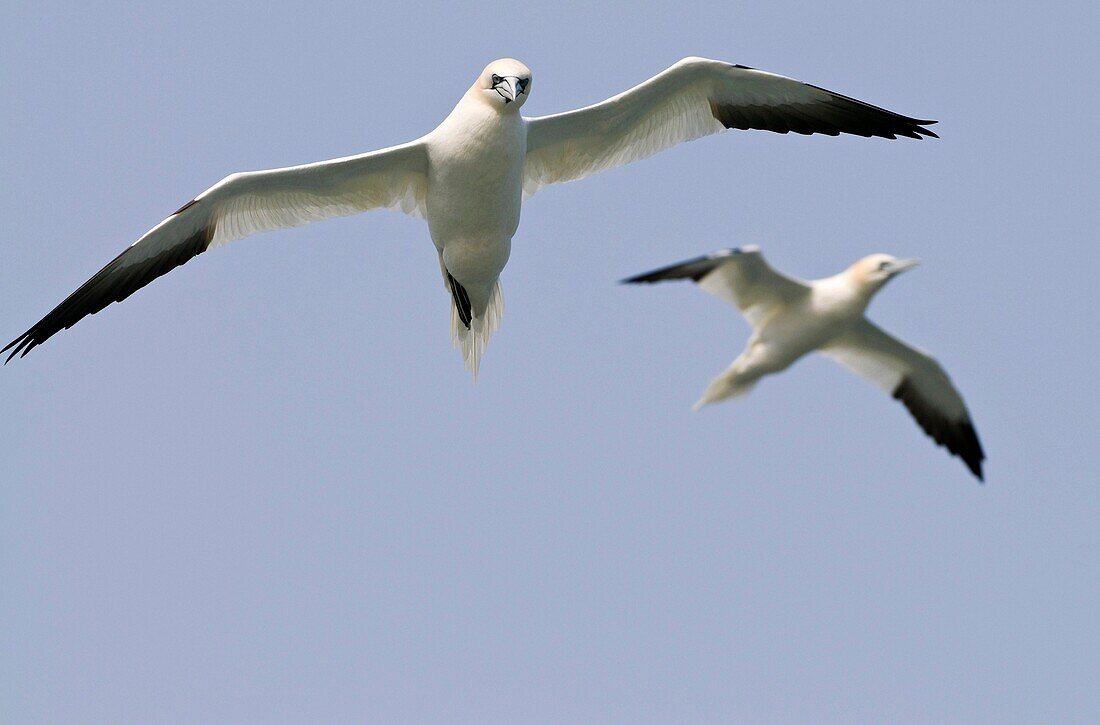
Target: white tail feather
723,387
474,340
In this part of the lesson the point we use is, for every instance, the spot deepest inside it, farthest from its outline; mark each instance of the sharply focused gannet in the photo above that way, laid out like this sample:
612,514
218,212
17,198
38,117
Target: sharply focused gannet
792,318
469,175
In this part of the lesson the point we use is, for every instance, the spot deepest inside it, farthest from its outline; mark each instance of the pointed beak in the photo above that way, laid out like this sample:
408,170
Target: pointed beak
903,264
508,88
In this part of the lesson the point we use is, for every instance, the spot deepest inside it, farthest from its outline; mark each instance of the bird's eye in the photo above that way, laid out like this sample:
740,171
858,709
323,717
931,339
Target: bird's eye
522,83
496,79
883,265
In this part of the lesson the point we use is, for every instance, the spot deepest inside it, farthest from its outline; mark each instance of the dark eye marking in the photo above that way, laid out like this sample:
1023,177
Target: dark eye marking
522,83
883,265
496,79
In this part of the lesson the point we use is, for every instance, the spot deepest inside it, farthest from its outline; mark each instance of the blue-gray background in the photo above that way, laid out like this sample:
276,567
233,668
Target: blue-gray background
264,488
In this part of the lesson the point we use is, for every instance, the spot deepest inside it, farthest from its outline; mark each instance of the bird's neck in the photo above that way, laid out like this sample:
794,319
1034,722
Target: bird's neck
474,126
846,293
477,102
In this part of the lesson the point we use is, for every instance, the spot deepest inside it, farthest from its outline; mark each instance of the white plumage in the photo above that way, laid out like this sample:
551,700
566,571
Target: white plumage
792,318
468,177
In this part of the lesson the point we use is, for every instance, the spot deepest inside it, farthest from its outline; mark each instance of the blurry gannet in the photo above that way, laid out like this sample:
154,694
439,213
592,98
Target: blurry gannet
469,175
792,318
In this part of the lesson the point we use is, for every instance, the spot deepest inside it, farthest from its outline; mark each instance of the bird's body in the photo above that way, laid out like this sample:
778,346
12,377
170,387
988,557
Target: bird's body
474,195
468,177
828,309
792,318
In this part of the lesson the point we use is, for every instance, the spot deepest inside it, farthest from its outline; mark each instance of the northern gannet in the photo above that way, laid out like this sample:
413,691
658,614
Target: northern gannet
468,178
792,318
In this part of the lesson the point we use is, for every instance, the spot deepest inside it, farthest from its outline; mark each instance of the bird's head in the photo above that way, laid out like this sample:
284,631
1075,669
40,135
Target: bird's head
873,271
504,84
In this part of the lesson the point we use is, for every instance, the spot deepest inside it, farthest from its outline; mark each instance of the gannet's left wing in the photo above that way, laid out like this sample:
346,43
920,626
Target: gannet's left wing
695,97
917,380
740,276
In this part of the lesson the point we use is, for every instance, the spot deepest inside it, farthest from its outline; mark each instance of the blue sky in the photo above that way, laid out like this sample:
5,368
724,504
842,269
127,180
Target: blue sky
265,489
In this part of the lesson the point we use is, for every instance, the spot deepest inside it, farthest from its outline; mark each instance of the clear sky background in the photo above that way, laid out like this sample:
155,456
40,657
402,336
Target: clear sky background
264,489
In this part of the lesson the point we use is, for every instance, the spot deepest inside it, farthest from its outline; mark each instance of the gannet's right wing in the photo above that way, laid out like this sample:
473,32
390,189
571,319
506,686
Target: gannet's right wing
239,205
739,276
918,381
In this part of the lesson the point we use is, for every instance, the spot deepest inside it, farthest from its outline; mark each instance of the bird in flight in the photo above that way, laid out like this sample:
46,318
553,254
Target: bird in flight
792,318
468,178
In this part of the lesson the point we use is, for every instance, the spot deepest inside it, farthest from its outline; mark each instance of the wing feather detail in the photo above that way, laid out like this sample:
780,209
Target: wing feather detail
240,205
918,381
695,97
740,276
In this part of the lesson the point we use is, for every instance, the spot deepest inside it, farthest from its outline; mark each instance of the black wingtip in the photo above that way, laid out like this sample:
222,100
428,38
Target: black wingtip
694,269
20,345
924,131
657,275
114,283
971,453
958,436
974,463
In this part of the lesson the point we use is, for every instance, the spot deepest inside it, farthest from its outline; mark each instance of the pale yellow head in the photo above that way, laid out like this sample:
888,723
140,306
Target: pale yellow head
875,270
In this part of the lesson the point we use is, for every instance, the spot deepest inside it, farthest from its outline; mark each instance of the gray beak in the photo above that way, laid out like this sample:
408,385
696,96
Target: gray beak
508,88
903,264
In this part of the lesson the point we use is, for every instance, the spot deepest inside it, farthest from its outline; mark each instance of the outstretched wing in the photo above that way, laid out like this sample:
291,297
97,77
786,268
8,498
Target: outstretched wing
741,277
696,97
918,381
239,205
